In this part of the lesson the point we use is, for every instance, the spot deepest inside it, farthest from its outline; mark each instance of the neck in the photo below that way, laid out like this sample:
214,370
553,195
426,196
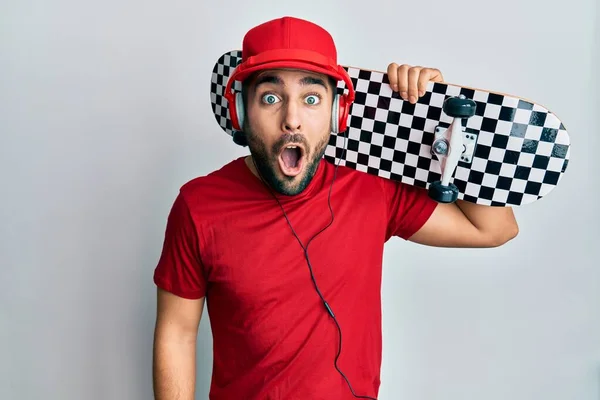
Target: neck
251,166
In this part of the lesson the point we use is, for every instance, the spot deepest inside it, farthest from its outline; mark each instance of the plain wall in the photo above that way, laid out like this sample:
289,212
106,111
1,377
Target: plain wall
105,113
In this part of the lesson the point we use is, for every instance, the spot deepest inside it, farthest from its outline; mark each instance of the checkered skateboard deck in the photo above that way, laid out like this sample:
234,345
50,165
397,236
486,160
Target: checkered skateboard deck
519,149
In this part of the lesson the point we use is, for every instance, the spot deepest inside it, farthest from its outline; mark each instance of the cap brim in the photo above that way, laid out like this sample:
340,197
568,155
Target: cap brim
288,64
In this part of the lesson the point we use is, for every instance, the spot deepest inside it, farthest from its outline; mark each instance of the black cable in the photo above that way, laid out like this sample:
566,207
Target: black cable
305,248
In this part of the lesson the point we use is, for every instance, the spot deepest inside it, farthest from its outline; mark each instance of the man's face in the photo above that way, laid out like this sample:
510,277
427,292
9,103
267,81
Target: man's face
288,123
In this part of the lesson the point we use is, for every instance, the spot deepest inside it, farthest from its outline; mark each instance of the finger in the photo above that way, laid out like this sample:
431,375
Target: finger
436,75
433,75
403,84
413,82
392,71
424,79
428,75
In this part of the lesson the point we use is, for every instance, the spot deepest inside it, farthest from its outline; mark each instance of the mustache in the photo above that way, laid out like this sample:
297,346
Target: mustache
287,140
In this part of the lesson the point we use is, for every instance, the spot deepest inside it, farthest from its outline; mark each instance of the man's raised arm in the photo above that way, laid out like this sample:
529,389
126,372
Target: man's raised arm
464,224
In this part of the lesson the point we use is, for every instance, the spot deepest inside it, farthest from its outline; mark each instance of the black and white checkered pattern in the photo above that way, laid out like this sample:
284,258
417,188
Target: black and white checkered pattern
221,72
521,154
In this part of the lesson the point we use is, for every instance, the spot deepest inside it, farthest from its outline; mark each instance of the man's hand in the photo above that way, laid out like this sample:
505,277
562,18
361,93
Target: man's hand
410,81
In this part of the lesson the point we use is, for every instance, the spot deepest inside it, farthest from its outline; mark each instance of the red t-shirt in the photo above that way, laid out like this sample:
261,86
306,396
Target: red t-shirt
227,239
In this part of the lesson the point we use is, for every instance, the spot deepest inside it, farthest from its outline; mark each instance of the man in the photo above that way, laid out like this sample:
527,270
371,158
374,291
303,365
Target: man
285,248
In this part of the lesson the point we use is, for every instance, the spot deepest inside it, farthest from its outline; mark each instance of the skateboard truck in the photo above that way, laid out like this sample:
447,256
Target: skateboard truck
451,145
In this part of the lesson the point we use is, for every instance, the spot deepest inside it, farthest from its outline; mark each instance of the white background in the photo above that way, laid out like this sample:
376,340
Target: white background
104,114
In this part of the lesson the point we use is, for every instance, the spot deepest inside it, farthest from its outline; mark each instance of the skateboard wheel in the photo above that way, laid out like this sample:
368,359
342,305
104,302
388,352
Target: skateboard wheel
456,107
443,194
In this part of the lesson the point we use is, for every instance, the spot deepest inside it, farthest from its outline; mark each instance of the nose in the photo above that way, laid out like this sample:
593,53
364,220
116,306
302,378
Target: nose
291,117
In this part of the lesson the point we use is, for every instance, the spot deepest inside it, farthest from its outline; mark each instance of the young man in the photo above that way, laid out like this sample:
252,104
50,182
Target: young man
285,248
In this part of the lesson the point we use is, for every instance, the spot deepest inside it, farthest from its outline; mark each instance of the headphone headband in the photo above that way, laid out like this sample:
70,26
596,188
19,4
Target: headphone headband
296,59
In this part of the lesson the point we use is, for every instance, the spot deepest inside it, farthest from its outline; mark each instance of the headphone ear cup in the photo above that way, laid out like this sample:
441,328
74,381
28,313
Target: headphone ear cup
342,113
239,111
335,112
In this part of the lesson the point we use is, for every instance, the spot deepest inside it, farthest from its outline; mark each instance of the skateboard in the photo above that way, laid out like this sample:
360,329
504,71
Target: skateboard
457,142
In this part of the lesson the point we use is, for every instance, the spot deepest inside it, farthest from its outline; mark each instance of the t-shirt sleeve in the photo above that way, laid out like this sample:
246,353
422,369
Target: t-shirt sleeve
408,207
180,270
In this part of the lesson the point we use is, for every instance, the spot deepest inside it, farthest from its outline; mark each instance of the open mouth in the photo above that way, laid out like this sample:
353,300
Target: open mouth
291,160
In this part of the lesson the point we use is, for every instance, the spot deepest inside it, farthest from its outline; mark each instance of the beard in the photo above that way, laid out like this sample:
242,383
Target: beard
267,162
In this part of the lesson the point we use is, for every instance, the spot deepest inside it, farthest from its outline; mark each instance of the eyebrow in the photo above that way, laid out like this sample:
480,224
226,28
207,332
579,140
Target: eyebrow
307,80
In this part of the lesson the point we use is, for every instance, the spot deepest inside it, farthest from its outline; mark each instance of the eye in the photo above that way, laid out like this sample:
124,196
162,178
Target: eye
313,99
270,98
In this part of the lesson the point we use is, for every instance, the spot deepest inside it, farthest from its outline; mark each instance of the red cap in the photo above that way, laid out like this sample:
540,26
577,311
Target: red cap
290,42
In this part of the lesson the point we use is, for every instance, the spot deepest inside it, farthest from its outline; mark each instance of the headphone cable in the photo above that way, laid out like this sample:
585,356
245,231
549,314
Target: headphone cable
305,248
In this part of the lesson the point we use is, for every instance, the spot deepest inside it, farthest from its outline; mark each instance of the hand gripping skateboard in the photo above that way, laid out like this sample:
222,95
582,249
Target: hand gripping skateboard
457,142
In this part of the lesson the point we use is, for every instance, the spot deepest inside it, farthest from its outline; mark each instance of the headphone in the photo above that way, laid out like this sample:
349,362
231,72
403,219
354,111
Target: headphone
340,107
